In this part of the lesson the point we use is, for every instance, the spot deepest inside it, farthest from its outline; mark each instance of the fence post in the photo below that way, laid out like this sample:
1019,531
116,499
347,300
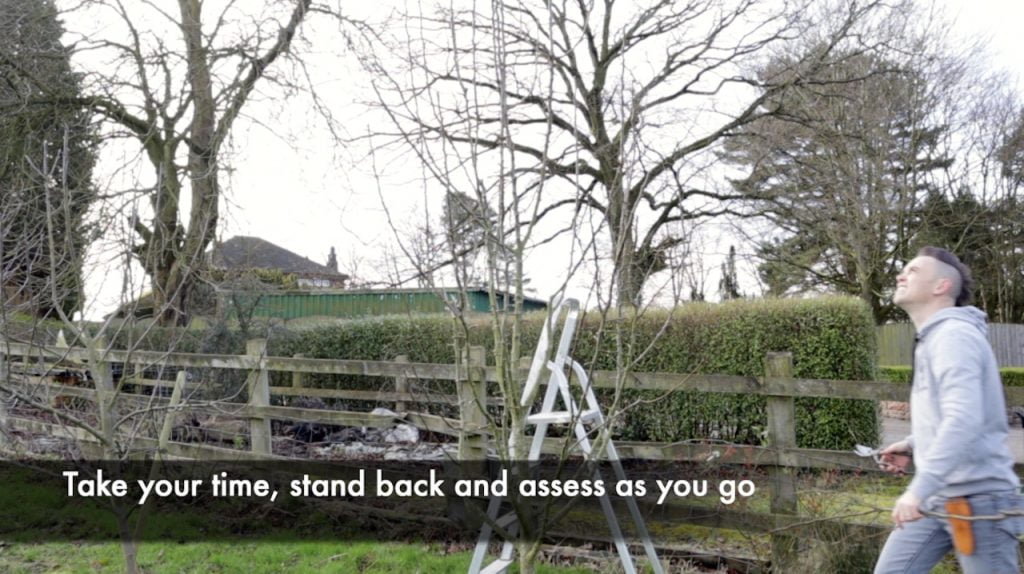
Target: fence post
298,376
401,384
106,393
138,379
472,390
782,437
470,463
258,384
171,415
524,368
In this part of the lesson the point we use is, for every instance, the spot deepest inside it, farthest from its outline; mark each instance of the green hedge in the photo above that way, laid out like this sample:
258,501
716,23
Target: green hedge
422,338
1012,376
27,329
830,338
217,339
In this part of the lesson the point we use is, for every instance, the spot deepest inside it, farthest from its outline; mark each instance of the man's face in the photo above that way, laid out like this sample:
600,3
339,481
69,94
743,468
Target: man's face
916,283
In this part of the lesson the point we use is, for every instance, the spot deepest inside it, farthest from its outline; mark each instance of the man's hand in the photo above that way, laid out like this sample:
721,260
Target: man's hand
895,458
907,509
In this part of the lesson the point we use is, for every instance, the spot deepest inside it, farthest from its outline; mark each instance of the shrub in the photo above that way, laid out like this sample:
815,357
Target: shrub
1012,376
830,338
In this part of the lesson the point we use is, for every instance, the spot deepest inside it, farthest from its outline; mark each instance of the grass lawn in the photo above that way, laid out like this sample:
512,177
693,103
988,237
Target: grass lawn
860,498
201,539
243,557
41,533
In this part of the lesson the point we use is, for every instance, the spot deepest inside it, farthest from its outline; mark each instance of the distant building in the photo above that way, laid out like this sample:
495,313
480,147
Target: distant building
371,302
320,291
241,253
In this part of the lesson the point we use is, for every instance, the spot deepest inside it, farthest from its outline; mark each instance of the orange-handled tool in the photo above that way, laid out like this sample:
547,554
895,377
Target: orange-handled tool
963,534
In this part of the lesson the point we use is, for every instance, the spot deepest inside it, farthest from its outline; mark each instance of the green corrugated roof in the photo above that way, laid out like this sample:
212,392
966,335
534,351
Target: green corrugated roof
368,302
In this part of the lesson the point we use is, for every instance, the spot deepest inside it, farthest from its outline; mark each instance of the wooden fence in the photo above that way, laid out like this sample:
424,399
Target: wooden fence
895,341
777,385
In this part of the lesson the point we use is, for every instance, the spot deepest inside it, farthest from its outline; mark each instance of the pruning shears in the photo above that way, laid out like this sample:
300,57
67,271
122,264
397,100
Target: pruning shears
866,451
876,454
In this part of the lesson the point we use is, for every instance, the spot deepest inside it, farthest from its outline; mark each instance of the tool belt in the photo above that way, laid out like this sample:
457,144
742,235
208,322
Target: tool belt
963,534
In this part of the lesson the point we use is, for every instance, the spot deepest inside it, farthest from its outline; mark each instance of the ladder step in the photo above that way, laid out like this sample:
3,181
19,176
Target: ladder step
497,567
562,417
507,520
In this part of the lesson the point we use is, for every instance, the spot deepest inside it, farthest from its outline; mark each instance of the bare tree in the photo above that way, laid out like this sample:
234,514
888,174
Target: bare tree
980,215
1009,285
633,97
43,210
481,203
523,108
175,83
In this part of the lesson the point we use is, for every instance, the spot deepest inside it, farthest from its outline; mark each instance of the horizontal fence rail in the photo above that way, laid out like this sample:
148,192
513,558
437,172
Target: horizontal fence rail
757,385
666,382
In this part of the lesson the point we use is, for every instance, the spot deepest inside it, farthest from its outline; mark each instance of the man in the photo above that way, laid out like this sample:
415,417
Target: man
959,430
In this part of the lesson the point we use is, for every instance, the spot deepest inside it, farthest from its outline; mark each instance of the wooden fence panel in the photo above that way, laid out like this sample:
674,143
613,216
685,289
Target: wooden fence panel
1008,344
784,522
895,341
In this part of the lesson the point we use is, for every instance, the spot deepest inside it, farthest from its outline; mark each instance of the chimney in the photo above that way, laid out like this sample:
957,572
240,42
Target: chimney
332,260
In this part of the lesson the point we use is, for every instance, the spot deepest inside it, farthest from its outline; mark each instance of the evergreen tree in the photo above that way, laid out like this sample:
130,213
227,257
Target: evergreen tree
46,161
1011,154
987,237
839,167
729,285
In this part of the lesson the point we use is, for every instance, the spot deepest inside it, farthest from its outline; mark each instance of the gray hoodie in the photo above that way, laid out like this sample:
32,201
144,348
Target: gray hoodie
957,409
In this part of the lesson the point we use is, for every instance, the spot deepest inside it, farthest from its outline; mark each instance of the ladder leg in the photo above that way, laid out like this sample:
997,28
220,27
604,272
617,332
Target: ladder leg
620,541
509,546
542,428
606,504
613,525
634,510
480,552
620,474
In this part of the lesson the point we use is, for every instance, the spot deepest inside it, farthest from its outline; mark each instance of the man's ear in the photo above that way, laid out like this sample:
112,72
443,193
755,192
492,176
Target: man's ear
943,286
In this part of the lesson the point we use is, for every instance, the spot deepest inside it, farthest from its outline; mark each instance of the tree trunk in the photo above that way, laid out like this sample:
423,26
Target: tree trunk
129,547
182,259
628,277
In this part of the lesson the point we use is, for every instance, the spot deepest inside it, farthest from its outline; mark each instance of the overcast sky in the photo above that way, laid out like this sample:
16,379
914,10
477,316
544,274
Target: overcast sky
295,188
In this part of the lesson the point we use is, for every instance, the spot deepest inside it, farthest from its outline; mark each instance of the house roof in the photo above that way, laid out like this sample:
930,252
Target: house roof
242,252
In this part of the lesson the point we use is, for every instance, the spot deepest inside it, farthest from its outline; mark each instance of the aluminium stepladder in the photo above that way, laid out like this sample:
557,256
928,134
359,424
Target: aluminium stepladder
558,385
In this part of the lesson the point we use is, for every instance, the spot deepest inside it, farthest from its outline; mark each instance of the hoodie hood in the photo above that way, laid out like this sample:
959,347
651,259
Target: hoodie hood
969,314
